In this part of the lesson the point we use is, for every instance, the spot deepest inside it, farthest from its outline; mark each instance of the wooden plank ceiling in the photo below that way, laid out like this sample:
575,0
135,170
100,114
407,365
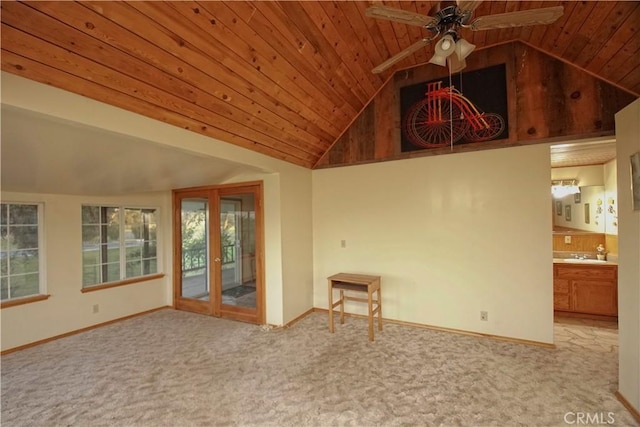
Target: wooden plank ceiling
282,78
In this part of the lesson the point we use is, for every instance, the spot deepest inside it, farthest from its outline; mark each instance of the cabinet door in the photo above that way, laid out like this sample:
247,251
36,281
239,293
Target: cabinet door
594,297
561,295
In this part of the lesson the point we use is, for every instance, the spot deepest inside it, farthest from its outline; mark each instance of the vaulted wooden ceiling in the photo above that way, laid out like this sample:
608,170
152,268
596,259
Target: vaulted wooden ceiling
282,78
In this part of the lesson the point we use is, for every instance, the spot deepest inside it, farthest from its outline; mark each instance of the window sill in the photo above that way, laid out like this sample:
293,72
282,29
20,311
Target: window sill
122,283
21,301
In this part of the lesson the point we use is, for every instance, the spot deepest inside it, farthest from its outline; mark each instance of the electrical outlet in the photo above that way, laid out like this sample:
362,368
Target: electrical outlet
484,316
567,239
343,243
96,308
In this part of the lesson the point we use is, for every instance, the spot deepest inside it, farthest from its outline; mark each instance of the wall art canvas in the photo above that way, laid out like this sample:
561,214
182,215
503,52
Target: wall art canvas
635,181
472,109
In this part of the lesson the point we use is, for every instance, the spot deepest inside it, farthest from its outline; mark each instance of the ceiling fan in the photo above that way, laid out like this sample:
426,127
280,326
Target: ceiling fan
448,18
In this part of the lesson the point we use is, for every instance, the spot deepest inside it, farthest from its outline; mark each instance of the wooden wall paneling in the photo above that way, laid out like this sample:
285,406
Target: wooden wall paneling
353,40
106,30
63,36
46,74
492,35
570,28
388,35
579,242
524,33
74,64
232,50
387,123
603,32
270,22
353,59
547,99
554,32
538,31
306,25
256,51
507,33
618,50
632,77
365,135
583,35
372,44
417,33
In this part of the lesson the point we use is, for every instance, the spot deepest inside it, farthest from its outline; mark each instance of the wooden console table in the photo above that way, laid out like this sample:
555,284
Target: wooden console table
358,283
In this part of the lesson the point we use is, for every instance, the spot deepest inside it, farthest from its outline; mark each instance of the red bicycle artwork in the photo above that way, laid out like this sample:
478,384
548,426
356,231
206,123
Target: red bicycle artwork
445,116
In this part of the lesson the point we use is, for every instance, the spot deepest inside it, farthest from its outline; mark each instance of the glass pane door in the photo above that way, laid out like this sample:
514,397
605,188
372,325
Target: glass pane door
195,249
238,248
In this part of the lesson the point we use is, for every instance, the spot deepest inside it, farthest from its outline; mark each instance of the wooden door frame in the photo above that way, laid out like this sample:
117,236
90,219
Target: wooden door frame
214,306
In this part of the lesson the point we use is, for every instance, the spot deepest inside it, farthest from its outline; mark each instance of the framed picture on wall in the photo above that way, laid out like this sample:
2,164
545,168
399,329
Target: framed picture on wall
635,181
558,208
577,198
567,213
587,214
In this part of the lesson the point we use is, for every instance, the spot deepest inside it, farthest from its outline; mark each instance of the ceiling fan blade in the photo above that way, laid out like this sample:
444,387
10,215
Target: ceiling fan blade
399,15
520,18
468,6
400,56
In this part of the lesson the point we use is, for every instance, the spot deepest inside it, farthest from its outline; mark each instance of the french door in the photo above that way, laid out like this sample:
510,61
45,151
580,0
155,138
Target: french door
218,251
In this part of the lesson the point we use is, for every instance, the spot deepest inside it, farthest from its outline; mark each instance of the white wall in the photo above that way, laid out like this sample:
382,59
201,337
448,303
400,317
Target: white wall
628,143
450,235
68,309
611,194
287,187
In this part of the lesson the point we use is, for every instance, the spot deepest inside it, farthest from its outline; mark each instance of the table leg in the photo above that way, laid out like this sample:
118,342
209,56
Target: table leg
330,306
379,310
370,301
341,307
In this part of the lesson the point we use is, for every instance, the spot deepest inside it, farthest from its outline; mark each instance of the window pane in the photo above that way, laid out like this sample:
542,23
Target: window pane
90,255
4,213
134,251
112,251
4,288
90,235
90,275
108,215
4,238
152,232
113,232
90,215
149,249
111,272
24,285
23,214
23,262
149,266
24,237
134,268
4,264
149,216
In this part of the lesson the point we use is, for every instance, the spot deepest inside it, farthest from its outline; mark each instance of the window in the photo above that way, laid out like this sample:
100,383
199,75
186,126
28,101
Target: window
118,243
20,248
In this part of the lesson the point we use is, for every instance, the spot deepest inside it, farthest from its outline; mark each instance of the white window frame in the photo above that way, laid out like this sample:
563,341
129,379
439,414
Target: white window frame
122,247
41,251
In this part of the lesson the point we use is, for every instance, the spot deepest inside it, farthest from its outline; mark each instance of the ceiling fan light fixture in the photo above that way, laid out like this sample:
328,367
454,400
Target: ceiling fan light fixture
438,60
446,46
464,49
455,64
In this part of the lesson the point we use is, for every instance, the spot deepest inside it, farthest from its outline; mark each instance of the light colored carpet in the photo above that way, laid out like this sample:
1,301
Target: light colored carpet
172,368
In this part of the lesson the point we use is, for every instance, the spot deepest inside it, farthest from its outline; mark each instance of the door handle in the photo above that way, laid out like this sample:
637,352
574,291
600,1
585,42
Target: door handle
216,259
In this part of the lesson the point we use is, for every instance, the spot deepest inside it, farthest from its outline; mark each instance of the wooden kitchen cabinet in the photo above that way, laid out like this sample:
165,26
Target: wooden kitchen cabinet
585,289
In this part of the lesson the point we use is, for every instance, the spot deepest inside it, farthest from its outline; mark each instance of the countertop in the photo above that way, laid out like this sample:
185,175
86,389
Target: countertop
582,261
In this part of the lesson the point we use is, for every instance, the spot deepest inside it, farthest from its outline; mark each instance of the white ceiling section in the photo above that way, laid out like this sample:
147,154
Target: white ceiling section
583,154
43,154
